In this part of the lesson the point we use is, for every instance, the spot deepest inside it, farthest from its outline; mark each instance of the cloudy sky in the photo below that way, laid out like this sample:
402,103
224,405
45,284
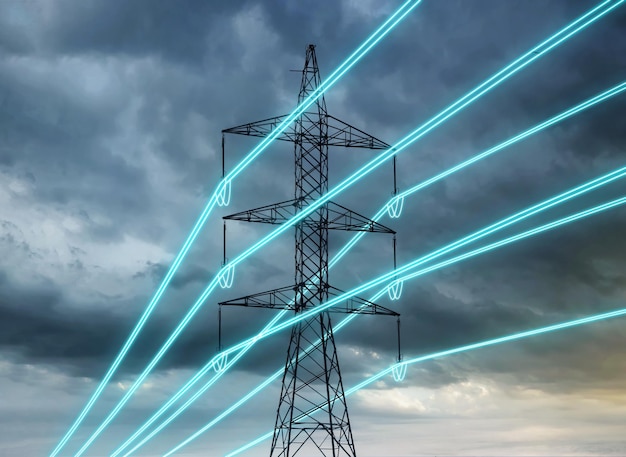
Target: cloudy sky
110,116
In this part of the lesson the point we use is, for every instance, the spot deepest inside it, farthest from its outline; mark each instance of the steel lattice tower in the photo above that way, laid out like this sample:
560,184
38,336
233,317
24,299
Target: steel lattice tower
311,379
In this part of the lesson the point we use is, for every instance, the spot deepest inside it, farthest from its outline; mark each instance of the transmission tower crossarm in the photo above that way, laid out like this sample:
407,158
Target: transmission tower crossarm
358,305
342,134
283,298
342,218
339,217
275,214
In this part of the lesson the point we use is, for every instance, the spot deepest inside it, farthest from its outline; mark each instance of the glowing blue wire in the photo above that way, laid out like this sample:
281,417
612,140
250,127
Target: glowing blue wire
404,141
374,39
533,130
245,398
208,367
486,86
144,317
446,114
391,276
221,196
437,355
484,232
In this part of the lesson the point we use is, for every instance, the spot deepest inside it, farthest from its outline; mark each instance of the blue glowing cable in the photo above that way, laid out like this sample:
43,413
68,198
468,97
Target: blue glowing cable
219,197
533,130
391,277
587,19
437,120
373,40
250,394
207,368
453,246
539,127
437,355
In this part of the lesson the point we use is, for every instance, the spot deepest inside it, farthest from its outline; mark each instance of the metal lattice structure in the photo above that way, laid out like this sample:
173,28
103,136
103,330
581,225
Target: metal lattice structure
312,378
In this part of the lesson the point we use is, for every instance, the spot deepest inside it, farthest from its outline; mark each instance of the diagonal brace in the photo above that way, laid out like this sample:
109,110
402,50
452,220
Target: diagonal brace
339,217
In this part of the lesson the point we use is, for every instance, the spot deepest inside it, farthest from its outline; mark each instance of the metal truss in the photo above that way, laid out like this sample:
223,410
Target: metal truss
283,298
312,378
340,133
339,217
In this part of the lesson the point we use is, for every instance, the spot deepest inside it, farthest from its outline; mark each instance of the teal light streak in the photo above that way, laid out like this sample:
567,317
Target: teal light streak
140,324
504,223
207,368
470,347
437,120
222,193
210,383
372,41
556,200
392,276
569,113
532,55
245,398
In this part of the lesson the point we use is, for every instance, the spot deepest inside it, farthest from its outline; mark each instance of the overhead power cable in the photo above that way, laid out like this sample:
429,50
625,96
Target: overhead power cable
225,276
461,349
404,273
410,274
210,366
221,197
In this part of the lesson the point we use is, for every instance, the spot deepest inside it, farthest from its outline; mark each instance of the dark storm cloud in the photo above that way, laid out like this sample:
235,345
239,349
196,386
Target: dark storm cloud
38,325
64,134
32,324
135,28
77,130
111,115
553,83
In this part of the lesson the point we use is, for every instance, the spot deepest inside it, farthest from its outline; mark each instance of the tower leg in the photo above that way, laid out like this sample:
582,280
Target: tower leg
312,380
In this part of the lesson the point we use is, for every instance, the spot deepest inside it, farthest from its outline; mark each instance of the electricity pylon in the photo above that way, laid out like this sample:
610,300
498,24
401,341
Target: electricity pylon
312,378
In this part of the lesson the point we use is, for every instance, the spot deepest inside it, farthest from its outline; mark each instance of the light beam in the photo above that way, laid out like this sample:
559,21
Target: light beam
411,275
437,355
222,196
606,179
501,76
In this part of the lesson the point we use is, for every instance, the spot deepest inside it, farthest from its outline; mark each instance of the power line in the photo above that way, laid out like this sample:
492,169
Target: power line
221,196
226,274
600,181
470,347
522,215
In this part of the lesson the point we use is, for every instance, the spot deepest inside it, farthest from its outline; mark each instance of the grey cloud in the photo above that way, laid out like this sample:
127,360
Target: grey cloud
112,113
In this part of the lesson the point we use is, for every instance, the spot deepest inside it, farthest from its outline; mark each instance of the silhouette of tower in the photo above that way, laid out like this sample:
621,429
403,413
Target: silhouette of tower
312,377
